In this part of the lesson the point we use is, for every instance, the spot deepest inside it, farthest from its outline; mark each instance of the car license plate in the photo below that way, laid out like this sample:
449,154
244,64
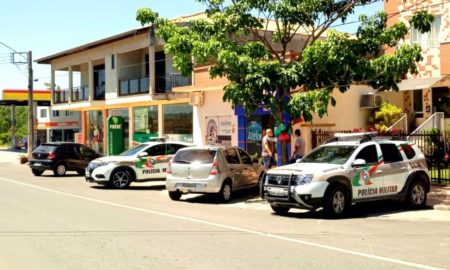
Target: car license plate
189,185
37,164
275,191
87,173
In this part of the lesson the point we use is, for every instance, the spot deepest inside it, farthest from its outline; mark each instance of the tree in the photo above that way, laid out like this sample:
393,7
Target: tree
238,41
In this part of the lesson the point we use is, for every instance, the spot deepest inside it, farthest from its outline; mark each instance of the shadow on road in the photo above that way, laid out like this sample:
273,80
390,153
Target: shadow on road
250,195
361,210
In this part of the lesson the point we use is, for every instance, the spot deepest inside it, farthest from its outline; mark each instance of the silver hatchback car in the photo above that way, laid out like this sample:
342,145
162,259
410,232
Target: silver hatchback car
211,169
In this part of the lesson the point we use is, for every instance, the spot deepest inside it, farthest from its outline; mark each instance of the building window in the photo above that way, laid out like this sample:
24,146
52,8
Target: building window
145,123
56,113
429,39
94,122
43,113
68,113
418,103
178,122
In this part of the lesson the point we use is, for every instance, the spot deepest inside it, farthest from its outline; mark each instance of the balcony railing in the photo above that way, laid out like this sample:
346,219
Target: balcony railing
165,83
133,86
80,93
61,96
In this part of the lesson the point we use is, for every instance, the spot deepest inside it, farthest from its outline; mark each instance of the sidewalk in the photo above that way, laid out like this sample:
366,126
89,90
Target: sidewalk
11,156
438,198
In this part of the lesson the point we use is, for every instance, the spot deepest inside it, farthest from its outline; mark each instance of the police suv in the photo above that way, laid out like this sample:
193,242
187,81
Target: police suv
145,162
350,169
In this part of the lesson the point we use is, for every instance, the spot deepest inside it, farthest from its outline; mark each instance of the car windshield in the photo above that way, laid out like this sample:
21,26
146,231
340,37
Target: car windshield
200,156
336,154
133,151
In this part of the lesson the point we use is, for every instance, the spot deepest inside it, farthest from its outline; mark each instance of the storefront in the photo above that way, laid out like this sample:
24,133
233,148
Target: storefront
177,122
145,123
251,130
95,132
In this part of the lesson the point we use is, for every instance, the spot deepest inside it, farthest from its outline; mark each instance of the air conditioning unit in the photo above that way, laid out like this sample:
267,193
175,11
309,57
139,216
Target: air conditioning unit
196,98
371,101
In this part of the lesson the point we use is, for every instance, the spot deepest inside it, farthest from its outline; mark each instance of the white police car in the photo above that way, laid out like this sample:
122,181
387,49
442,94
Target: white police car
145,162
353,168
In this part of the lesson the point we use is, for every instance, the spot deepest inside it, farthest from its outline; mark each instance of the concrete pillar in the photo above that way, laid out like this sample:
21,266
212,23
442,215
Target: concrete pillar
52,86
91,80
130,126
70,83
152,74
160,120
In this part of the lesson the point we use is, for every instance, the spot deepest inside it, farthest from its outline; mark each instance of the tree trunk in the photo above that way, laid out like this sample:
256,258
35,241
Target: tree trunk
284,153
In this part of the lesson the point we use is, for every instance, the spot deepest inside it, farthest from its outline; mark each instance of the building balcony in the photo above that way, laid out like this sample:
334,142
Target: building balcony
80,93
134,86
165,83
62,96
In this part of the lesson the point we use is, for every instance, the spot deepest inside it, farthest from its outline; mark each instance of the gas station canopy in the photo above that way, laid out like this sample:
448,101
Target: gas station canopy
19,97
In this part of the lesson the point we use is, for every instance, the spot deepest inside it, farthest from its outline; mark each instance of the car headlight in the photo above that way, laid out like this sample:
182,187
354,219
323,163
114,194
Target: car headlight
303,179
99,164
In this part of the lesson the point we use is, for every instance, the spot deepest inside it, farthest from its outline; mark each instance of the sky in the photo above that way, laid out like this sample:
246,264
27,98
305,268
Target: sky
47,27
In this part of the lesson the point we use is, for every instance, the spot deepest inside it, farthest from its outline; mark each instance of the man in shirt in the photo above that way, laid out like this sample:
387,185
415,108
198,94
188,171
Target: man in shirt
267,149
299,147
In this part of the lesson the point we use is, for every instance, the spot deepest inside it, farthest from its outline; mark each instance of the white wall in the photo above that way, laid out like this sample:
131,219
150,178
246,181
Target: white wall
212,106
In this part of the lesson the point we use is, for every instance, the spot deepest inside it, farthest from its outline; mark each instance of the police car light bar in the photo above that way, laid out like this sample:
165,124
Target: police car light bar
356,135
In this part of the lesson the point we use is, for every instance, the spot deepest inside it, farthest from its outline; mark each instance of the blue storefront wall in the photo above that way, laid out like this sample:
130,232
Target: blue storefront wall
242,128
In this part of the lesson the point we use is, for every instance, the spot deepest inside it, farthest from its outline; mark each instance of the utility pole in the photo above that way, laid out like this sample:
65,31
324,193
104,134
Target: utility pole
13,126
30,105
29,60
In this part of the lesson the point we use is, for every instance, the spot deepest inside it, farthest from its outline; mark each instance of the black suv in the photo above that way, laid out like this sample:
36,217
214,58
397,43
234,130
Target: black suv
60,158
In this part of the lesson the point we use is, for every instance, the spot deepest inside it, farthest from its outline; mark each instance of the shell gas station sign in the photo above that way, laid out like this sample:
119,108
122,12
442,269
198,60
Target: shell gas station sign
19,97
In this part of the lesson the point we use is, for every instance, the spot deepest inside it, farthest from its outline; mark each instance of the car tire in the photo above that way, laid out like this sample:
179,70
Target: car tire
175,195
336,201
60,169
224,194
417,195
280,210
81,172
120,179
37,172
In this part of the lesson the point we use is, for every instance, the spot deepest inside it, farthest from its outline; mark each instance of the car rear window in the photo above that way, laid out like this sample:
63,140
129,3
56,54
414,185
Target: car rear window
45,148
409,151
200,156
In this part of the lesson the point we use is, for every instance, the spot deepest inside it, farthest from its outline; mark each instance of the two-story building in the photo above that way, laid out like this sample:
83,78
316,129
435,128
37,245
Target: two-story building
57,126
428,92
126,75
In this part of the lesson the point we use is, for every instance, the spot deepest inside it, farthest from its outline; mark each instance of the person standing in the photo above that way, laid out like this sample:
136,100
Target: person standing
299,147
267,149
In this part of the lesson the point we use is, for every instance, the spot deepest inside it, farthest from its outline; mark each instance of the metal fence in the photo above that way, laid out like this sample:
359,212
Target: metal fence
434,144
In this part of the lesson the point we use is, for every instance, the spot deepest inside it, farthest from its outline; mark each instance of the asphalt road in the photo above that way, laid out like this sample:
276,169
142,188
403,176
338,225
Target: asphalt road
65,223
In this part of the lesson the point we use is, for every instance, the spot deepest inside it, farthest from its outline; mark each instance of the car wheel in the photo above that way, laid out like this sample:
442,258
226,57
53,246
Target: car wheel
336,202
60,169
120,179
37,172
81,172
225,192
280,210
175,195
417,196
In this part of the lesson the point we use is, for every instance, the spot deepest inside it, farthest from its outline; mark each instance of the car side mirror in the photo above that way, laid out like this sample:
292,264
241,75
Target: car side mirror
358,163
255,160
142,155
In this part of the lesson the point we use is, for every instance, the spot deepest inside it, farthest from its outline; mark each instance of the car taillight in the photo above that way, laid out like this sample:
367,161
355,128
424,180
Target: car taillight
169,168
51,155
214,169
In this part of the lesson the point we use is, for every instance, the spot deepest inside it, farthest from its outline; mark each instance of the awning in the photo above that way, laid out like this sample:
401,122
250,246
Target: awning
417,84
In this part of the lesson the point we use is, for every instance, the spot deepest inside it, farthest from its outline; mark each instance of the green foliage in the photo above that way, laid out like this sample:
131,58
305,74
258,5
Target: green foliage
5,123
239,46
386,116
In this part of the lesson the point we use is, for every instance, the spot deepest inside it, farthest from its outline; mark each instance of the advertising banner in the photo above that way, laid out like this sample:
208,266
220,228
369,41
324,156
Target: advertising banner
218,130
115,133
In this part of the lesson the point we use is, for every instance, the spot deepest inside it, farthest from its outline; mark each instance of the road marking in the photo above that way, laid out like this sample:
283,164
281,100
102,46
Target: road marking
229,227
